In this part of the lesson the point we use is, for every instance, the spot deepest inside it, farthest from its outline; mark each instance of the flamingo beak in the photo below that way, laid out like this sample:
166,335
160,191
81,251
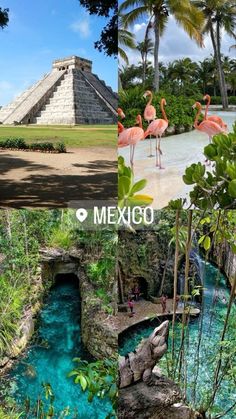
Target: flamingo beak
145,95
194,106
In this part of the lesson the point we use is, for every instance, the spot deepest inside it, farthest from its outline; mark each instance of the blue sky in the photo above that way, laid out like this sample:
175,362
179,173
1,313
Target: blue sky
41,31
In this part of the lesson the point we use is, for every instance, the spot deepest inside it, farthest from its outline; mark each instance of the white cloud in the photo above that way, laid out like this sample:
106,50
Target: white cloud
82,27
139,27
176,44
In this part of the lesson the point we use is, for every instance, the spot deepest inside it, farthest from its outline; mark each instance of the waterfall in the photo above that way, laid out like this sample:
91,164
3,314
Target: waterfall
197,260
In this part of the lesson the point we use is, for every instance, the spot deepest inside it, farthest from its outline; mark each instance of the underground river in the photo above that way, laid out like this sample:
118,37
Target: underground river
214,307
50,358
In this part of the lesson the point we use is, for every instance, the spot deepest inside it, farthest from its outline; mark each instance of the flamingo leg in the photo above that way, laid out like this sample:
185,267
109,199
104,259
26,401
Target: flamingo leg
160,153
150,143
157,155
132,156
207,162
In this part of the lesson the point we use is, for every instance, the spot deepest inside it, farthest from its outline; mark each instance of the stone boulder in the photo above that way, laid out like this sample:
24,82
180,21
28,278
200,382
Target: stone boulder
162,401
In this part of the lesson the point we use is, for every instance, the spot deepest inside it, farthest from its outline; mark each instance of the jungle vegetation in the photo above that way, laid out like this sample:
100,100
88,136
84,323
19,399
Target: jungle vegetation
197,18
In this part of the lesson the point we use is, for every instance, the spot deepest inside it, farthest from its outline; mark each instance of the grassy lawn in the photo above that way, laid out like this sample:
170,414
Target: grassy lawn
76,136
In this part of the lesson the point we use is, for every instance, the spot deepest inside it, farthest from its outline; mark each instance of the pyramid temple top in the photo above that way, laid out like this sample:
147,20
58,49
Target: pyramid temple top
72,62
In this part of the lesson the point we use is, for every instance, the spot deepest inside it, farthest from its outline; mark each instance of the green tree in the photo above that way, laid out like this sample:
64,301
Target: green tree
4,17
145,48
108,41
183,70
219,15
206,75
158,11
125,39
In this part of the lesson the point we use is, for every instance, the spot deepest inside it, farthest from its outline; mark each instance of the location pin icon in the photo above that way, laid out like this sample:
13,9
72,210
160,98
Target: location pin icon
81,214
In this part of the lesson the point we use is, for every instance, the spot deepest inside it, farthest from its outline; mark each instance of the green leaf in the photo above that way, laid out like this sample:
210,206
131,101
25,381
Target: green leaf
138,186
210,151
207,243
232,188
83,382
123,186
201,239
140,200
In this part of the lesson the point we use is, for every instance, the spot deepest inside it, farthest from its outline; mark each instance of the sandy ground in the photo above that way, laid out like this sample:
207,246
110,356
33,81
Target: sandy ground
179,152
38,180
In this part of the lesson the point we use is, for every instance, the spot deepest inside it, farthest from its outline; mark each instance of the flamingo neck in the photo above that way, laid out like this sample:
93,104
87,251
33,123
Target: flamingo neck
207,106
120,112
150,100
196,119
163,112
140,123
120,127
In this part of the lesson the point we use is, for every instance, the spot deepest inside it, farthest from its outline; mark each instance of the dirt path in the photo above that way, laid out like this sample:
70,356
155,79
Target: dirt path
39,180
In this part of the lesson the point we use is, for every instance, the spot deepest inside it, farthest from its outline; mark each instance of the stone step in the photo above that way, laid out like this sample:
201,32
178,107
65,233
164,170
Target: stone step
5,111
36,95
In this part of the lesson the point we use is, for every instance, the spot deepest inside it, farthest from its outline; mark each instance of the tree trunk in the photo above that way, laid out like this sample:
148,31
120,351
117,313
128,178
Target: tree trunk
185,316
156,54
220,69
164,272
120,284
216,46
175,284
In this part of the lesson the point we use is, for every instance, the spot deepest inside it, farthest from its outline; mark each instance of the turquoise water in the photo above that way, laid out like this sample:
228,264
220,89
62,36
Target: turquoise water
50,361
215,300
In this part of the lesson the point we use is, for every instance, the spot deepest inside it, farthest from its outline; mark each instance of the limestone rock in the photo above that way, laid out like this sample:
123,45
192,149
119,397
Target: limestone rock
163,401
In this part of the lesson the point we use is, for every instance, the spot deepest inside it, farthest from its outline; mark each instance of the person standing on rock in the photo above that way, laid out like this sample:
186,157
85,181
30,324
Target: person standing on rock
137,292
131,306
163,303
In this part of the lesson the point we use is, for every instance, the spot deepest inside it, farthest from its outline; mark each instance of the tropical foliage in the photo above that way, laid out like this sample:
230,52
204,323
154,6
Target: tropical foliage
178,109
185,77
20,144
99,378
157,14
216,189
127,188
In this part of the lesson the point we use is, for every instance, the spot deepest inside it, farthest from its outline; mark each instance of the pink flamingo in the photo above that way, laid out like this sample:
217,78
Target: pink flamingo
149,113
213,118
122,115
210,128
130,137
157,128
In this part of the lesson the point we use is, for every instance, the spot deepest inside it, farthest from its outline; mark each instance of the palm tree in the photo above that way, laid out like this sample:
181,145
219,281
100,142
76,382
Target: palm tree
219,15
206,75
125,39
183,70
145,47
157,13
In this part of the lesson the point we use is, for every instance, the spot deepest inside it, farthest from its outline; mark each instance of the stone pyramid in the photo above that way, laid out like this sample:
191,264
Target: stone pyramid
69,94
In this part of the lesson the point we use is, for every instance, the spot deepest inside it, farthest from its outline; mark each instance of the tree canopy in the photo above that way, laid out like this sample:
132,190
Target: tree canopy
108,41
4,17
